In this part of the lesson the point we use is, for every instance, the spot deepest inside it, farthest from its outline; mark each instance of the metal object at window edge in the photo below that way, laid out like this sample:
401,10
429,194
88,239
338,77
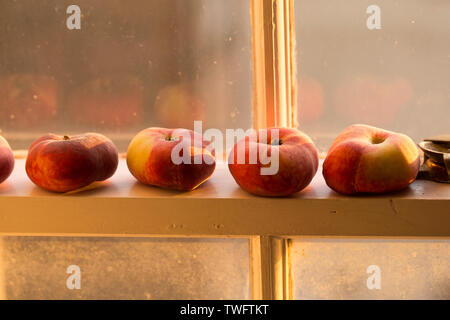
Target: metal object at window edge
436,164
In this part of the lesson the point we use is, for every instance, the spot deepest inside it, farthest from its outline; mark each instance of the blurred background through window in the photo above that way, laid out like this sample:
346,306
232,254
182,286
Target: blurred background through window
395,78
132,65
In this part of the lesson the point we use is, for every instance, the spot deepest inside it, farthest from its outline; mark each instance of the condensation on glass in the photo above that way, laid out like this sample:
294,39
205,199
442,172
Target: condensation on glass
133,64
124,268
396,77
342,268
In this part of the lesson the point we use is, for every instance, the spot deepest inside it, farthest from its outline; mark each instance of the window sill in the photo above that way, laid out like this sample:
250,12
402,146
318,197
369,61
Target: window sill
124,207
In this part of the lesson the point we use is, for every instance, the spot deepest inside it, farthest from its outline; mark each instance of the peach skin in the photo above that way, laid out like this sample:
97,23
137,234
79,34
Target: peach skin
151,158
63,163
6,160
297,162
365,159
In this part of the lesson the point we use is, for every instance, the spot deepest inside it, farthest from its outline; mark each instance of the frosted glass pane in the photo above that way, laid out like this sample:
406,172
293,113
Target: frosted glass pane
133,64
395,77
338,269
125,268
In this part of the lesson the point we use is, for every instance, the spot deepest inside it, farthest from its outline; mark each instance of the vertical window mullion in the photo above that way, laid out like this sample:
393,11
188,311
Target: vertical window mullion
274,63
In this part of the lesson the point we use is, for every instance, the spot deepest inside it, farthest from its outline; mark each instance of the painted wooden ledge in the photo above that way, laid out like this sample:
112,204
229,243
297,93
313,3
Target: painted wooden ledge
219,208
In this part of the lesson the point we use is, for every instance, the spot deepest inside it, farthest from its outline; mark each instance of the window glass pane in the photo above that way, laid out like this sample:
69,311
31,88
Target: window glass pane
133,64
124,268
395,77
342,268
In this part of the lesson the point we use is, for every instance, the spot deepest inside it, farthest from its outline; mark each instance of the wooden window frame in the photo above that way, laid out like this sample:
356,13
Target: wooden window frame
274,64
222,209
